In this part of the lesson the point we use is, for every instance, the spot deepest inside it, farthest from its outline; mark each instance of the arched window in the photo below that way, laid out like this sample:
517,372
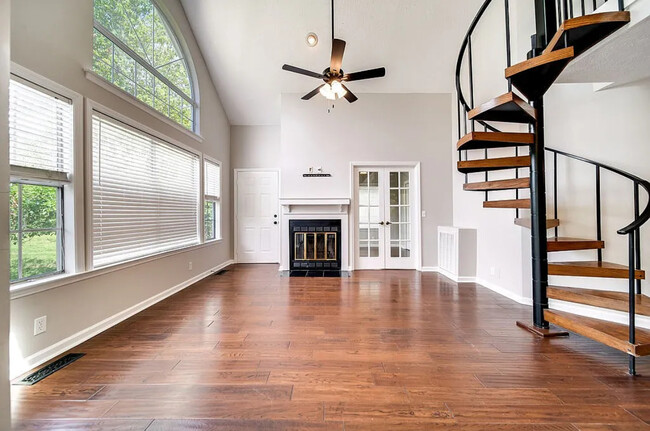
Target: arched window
135,49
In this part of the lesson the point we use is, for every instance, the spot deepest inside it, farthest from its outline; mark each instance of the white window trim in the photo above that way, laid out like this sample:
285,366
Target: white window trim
106,85
204,198
91,107
74,260
78,228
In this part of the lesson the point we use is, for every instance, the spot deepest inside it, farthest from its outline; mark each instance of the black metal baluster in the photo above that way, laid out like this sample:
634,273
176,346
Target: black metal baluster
582,7
487,193
595,6
632,305
571,8
637,247
565,12
599,226
471,77
508,43
621,5
555,191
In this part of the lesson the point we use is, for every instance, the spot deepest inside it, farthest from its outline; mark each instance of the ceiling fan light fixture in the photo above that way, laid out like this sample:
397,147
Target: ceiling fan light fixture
333,91
312,39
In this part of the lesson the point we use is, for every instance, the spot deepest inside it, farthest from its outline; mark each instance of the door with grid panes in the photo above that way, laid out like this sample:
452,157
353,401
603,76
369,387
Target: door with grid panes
384,203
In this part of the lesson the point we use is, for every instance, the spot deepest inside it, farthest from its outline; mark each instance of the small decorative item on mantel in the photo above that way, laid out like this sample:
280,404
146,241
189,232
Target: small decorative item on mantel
318,174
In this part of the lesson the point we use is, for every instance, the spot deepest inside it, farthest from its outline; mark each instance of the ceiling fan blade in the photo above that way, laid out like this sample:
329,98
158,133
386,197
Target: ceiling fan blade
349,96
366,74
302,71
312,93
338,49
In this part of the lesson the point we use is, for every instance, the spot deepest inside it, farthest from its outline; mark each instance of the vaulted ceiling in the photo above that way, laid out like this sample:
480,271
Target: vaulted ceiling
246,42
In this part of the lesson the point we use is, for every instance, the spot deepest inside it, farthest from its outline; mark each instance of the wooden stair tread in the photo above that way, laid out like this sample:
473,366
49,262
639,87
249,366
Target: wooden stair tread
480,140
526,222
612,334
592,269
535,76
600,298
586,31
568,244
484,165
511,203
511,184
508,107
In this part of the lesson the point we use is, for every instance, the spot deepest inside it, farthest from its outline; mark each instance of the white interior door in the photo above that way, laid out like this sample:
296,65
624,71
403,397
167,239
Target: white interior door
258,221
384,218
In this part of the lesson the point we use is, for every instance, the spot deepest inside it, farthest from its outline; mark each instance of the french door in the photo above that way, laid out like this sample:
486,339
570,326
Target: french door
384,218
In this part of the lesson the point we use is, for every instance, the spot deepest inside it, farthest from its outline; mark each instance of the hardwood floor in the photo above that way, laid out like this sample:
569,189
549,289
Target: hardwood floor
391,350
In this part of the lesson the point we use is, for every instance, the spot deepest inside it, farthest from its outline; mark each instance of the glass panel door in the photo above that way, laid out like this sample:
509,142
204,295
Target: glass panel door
399,222
370,219
384,218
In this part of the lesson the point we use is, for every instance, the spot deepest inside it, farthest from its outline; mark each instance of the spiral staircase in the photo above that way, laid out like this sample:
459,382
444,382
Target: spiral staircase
523,106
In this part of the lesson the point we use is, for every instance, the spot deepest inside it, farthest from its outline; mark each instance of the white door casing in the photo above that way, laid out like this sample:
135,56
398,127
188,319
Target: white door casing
257,217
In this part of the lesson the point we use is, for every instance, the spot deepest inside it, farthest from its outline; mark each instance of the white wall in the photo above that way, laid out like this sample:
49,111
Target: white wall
54,39
4,217
376,128
611,127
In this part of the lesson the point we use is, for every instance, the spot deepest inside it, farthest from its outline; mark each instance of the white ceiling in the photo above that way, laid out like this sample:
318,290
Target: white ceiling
246,42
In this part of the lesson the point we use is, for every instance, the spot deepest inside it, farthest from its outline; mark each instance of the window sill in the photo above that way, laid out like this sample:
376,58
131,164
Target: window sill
27,288
95,78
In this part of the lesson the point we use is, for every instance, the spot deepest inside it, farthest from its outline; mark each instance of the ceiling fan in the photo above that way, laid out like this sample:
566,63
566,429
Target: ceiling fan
333,76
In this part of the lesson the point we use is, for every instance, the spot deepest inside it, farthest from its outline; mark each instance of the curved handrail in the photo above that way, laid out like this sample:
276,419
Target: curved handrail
645,215
461,56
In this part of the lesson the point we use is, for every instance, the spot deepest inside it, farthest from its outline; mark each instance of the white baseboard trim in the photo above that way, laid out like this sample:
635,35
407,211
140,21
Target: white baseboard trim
66,344
505,292
429,269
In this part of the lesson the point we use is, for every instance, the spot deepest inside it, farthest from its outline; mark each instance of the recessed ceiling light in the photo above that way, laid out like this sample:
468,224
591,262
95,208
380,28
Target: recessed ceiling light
312,39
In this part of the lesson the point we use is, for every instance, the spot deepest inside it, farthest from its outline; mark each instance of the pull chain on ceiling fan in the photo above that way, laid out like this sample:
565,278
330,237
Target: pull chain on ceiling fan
333,76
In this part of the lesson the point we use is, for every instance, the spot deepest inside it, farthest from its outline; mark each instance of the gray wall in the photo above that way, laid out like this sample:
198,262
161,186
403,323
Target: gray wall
54,39
4,217
255,147
376,128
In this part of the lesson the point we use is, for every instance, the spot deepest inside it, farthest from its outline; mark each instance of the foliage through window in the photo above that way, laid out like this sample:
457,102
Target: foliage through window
212,200
135,49
35,231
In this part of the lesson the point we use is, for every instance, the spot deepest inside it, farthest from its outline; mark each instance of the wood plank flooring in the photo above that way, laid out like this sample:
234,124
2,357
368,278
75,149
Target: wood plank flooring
390,350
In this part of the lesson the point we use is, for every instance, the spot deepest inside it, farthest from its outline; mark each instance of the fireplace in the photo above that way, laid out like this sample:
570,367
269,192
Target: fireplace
315,245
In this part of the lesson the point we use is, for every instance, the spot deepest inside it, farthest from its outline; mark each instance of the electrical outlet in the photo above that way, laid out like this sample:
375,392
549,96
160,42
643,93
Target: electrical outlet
424,214
40,325
189,266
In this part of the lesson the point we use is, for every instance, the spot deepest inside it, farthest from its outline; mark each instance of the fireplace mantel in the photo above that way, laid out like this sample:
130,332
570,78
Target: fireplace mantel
291,204
314,209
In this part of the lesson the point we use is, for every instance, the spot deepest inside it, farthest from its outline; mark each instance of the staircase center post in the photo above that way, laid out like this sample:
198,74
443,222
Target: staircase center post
538,219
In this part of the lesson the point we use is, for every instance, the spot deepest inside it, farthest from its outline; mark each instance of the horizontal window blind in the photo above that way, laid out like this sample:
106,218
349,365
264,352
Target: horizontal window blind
40,129
212,179
145,194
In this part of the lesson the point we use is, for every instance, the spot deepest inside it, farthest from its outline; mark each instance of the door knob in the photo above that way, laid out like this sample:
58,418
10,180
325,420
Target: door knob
381,223
275,222
275,216
388,223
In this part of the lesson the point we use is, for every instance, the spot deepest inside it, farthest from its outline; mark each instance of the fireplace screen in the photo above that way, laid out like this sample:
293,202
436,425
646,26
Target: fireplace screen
311,246
315,244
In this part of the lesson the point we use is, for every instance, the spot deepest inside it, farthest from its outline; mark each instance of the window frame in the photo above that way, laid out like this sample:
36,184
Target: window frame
93,107
178,41
73,258
60,234
214,200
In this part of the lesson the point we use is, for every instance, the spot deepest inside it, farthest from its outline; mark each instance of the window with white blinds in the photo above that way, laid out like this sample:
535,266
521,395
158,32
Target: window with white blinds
212,180
212,203
40,128
145,194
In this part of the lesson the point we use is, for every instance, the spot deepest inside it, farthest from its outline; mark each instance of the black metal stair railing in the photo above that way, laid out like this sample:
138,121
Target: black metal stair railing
633,230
